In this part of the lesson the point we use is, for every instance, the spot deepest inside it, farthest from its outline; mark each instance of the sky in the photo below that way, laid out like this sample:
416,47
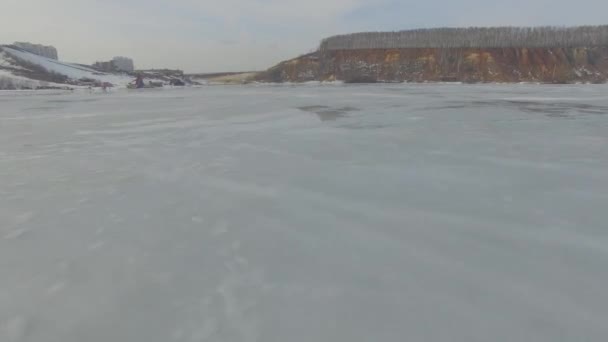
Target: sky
243,35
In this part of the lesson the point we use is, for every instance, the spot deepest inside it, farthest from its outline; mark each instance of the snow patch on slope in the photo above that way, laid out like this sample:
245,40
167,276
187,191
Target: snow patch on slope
73,71
22,82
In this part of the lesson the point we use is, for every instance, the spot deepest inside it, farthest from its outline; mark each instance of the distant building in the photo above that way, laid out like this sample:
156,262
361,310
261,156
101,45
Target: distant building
123,64
37,49
105,66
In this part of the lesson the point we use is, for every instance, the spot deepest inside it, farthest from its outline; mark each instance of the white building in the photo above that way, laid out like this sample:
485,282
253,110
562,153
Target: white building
123,64
37,49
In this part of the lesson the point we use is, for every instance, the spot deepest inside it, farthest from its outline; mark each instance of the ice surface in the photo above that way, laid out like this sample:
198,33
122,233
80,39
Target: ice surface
305,213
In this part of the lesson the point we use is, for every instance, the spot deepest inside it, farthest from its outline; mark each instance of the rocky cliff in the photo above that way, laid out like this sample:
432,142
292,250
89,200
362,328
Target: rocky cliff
356,60
545,65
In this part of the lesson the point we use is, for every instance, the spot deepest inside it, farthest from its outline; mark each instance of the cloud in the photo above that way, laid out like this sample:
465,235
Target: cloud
181,33
212,35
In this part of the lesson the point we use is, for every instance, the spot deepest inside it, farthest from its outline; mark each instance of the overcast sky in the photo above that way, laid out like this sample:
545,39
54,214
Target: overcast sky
231,35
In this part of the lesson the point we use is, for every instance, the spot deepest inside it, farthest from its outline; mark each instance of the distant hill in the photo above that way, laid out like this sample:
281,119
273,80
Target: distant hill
22,69
499,54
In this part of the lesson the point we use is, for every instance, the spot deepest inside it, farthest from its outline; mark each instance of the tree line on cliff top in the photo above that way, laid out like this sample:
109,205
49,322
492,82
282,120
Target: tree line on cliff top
473,37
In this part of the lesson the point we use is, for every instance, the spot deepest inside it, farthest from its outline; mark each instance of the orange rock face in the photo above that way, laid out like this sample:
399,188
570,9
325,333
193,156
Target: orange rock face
545,65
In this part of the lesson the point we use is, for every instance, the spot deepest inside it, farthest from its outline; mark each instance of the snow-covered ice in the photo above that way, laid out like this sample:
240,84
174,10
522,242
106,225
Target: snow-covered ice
305,213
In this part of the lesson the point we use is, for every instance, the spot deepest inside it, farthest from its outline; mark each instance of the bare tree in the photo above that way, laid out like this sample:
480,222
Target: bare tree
6,83
473,37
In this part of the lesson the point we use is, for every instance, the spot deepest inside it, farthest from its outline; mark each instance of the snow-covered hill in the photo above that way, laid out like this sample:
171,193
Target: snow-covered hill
20,66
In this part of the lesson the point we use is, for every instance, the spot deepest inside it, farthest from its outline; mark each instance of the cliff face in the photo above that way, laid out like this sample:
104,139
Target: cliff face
302,69
546,65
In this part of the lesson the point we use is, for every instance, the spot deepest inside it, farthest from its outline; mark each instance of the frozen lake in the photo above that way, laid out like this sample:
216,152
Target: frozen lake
308,213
